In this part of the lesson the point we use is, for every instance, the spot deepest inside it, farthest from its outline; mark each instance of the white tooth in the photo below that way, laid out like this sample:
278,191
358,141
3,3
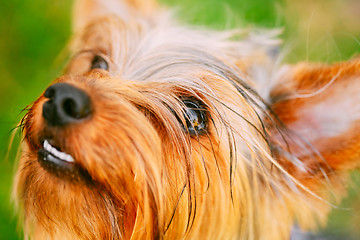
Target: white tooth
49,146
63,156
46,145
69,158
57,153
53,151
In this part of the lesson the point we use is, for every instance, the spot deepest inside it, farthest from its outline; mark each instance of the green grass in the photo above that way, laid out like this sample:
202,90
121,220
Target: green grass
34,33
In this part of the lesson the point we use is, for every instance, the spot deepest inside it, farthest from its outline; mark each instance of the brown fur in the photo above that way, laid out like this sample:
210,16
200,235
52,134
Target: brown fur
262,165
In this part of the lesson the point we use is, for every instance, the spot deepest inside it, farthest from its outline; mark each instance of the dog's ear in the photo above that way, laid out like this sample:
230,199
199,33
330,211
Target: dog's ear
86,11
320,107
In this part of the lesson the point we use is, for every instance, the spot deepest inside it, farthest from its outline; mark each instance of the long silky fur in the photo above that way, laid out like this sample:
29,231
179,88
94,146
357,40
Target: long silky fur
149,178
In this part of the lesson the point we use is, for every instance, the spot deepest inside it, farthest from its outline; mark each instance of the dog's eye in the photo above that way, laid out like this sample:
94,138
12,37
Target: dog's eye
99,63
195,115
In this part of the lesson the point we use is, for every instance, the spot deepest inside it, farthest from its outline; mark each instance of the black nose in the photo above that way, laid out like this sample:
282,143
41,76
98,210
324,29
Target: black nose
66,105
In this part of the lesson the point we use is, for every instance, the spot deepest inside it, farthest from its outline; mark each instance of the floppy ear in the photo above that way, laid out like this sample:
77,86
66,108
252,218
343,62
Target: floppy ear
320,107
86,11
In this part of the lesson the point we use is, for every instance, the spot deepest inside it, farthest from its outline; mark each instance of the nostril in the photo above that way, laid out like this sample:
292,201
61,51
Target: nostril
66,104
76,107
70,108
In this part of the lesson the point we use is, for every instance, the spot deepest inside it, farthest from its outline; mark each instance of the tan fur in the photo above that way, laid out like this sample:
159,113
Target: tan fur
260,168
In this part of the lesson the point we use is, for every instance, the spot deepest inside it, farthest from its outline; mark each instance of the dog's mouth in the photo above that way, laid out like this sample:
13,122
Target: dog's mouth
54,155
59,163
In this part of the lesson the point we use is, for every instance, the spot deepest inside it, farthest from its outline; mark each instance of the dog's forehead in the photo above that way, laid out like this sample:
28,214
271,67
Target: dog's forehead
142,49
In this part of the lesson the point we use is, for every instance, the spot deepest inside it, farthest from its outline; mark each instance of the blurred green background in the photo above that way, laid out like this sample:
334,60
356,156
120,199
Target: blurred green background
33,35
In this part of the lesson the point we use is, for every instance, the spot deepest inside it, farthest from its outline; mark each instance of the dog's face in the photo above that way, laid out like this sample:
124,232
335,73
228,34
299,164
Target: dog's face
159,131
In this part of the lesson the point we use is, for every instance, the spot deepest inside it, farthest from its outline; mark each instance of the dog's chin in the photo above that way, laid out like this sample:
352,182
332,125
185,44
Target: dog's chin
62,171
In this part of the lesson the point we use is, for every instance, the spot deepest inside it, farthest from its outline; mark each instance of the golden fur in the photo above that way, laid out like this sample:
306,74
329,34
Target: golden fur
264,163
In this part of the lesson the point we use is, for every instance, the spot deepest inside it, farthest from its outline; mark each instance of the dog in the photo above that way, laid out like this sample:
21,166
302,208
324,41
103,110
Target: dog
162,131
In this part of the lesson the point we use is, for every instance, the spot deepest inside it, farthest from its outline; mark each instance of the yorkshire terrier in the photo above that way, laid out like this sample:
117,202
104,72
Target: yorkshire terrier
160,131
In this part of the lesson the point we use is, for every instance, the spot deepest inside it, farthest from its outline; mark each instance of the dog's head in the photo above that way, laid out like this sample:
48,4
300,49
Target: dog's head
161,131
